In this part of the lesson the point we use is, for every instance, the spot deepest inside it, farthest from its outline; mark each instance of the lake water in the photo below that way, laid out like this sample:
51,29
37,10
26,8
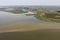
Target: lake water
10,22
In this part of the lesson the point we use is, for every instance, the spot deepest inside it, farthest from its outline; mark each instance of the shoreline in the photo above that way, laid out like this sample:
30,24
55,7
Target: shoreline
30,27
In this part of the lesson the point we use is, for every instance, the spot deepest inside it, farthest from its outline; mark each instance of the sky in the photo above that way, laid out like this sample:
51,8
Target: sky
30,2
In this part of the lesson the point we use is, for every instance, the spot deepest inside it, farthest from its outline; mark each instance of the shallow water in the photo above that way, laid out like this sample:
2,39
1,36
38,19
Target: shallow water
10,18
20,22
22,27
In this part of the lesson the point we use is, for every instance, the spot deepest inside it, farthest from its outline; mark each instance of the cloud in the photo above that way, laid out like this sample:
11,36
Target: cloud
29,2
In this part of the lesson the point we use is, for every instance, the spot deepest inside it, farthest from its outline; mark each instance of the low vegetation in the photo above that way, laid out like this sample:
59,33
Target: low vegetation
30,14
43,16
17,11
